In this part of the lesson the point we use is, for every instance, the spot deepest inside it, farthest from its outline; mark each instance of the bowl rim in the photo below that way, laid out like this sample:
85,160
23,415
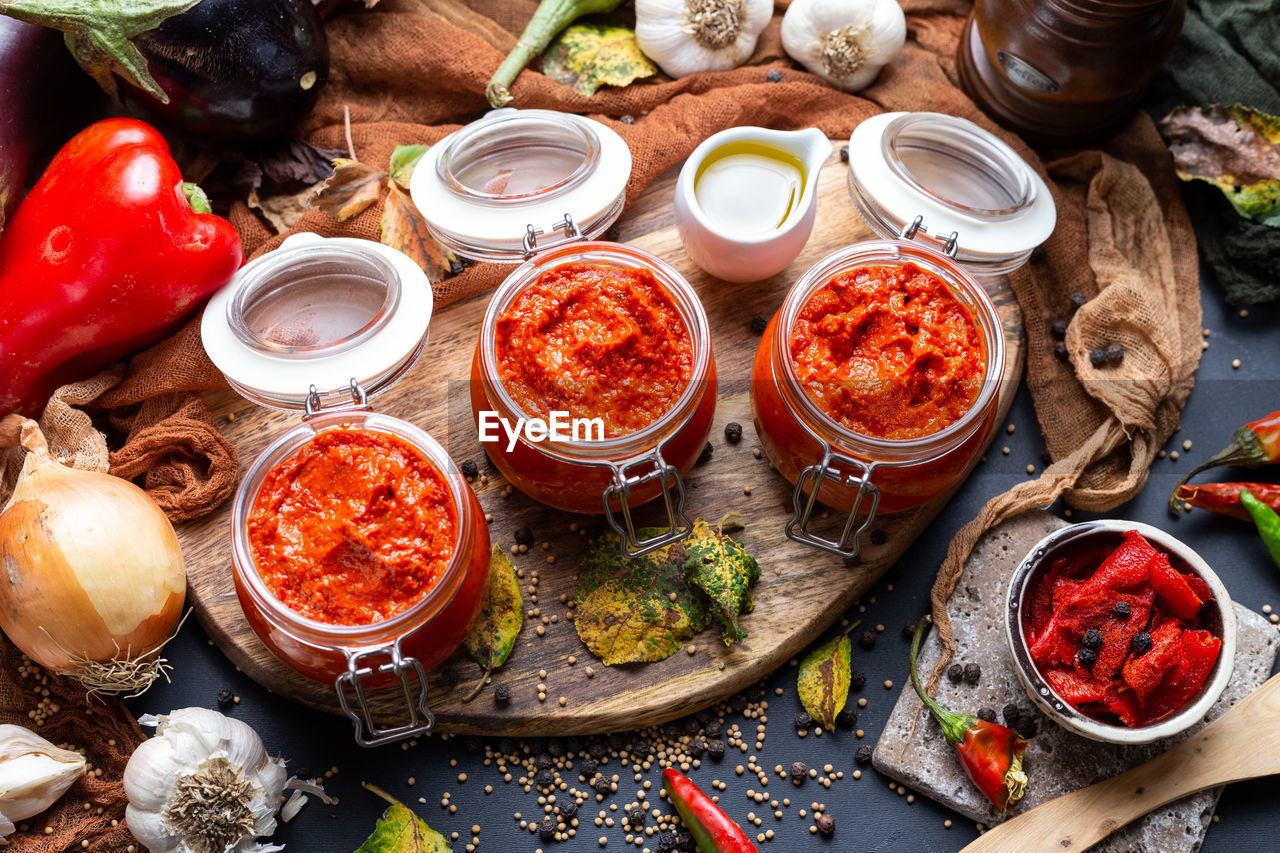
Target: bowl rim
1062,711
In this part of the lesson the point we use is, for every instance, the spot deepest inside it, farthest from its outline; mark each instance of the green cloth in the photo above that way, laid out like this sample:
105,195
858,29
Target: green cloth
1229,52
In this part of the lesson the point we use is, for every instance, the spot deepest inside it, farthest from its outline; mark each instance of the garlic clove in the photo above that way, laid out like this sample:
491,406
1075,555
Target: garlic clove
148,826
153,769
33,772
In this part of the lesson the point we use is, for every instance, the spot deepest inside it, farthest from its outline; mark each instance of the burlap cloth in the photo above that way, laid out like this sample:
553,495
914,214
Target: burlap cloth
412,71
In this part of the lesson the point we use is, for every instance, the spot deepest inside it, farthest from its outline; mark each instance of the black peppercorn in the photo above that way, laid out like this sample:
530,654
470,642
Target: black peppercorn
684,840
455,266
507,746
545,777
502,696
857,680
774,76
713,728
1060,350
667,842
587,766
863,755
705,456
759,324
826,823
547,829
628,119
1122,609
803,721
716,749
524,536
555,746
697,747
799,771
1141,643
598,750
617,741
847,718
568,809
1092,639
1078,300
692,726
1011,713
972,673
536,745
733,432
1088,657
543,761
909,629
867,640
641,749
955,672
1059,329
1026,726
470,469
226,697
844,153
1097,357
672,730
602,785
879,537
1115,354
448,676
573,745
635,817
987,715
472,744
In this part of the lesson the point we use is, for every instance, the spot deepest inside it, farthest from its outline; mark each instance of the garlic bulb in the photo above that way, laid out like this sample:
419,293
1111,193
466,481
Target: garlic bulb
845,42
203,784
33,774
686,36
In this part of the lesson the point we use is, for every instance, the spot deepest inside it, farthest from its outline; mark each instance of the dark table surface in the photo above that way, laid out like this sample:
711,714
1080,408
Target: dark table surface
869,816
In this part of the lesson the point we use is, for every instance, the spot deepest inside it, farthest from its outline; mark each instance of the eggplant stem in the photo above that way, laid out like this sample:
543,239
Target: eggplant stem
548,20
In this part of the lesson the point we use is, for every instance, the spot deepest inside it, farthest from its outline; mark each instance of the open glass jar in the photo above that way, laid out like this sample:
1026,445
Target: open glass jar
614,474
957,203
319,326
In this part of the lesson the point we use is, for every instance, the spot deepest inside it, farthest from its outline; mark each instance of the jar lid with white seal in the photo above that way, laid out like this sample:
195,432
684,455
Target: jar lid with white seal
948,183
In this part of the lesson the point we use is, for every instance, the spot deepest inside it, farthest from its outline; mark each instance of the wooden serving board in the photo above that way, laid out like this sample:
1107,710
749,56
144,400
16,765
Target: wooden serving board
801,591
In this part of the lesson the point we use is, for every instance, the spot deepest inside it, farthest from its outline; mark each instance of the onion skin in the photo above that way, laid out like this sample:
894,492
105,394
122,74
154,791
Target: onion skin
87,561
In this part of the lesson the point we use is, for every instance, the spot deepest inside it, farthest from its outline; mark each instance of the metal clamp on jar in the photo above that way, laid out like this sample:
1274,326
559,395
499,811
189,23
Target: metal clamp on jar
320,326
955,202
498,189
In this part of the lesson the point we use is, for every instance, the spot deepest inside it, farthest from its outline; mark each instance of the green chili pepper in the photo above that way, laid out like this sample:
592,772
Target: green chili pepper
1267,520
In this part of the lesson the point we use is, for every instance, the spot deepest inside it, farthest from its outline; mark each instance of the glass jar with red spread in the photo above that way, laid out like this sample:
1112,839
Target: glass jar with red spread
613,340
359,553
875,386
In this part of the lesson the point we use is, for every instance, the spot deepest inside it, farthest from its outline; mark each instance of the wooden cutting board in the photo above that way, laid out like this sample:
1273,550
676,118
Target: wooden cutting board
801,591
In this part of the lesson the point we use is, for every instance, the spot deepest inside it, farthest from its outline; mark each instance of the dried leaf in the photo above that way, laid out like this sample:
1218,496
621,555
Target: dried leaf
636,609
404,228
353,187
1236,149
588,56
296,161
403,161
399,830
494,635
825,674
724,571
281,209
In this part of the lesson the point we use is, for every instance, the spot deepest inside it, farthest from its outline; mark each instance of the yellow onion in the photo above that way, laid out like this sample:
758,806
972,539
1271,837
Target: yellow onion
93,581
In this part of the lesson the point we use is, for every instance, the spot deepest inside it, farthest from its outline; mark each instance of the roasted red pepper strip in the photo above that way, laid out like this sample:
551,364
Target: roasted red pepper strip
106,255
1256,443
991,754
1174,590
711,828
1199,650
1224,498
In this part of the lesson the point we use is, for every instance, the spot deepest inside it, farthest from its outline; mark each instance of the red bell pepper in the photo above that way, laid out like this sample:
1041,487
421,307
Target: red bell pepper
109,253
991,754
711,828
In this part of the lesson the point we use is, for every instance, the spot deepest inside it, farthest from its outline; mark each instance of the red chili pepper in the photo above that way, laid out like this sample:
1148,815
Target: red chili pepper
991,754
109,253
1256,443
1224,498
711,828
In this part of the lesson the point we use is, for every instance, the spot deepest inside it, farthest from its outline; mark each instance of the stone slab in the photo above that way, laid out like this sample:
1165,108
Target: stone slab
913,751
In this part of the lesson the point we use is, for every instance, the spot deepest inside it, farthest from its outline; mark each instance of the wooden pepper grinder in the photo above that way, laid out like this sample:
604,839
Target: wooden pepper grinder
1064,72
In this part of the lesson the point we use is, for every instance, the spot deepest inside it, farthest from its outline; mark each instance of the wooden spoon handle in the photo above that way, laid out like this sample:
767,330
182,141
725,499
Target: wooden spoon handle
1243,743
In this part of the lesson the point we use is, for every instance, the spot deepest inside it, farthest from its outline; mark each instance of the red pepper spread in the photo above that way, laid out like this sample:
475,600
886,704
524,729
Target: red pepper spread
352,529
595,341
887,351
1118,632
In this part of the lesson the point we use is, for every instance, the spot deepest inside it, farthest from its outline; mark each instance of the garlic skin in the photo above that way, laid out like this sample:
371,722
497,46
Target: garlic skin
687,36
845,42
33,774
203,784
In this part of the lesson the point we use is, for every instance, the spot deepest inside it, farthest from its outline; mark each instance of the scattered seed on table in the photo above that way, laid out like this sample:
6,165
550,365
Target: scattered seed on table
1005,450
1173,455
888,685
1186,445
1235,364
746,490
756,453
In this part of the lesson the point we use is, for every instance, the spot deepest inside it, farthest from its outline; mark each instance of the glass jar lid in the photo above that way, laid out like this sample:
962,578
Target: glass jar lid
958,179
317,314
514,173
